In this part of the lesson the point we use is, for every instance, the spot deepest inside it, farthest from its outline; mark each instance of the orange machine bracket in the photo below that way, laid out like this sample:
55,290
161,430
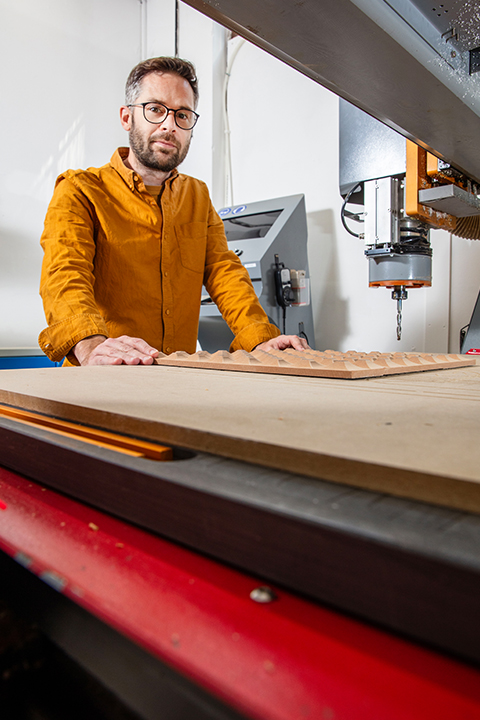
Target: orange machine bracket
420,168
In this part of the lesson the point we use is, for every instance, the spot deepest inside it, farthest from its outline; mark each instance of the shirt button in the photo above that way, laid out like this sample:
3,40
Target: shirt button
167,350
167,312
165,274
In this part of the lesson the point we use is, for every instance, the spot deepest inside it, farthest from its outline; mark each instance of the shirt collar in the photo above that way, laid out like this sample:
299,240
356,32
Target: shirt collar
130,176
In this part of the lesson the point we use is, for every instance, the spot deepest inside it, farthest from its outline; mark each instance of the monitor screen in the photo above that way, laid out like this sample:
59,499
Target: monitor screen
246,227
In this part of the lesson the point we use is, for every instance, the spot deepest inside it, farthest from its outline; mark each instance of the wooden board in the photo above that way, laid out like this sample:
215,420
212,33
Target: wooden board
413,435
314,363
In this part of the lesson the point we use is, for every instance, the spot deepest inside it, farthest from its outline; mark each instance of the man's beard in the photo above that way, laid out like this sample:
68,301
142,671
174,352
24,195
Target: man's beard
159,160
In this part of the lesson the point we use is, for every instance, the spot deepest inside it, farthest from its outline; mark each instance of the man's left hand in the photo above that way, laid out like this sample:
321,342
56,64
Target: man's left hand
282,342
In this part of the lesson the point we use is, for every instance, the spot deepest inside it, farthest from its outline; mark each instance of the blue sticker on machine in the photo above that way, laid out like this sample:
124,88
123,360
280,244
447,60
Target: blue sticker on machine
224,211
239,209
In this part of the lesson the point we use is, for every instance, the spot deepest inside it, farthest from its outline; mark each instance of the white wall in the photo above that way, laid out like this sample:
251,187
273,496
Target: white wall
70,58
465,282
64,65
204,43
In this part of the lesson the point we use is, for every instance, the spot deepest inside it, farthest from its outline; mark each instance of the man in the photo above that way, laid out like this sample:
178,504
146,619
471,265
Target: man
129,245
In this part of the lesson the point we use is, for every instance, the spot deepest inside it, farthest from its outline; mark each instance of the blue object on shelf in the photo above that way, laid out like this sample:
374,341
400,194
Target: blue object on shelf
26,361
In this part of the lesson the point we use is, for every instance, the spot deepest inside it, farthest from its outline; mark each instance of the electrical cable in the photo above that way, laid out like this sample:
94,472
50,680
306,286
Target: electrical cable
177,26
343,212
228,152
143,29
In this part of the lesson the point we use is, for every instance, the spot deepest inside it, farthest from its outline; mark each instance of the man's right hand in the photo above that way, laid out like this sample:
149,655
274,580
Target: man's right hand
124,350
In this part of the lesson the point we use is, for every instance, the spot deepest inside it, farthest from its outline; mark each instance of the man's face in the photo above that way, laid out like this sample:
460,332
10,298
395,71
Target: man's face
163,146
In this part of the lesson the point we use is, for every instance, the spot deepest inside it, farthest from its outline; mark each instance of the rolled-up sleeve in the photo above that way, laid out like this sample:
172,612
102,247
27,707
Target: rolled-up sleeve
67,279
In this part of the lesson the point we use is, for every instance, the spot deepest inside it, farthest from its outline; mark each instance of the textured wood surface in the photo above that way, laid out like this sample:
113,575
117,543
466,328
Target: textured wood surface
313,363
413,435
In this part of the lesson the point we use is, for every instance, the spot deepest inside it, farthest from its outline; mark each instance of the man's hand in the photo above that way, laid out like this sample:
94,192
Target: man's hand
124,350
284,341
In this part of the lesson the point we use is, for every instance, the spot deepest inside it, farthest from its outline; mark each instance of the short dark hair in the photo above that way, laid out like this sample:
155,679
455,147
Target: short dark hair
183,68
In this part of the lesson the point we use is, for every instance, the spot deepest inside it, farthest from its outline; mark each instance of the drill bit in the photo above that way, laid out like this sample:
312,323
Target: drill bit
399,294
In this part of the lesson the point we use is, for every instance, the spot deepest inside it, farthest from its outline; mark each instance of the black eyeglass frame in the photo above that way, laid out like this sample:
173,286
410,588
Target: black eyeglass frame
169,110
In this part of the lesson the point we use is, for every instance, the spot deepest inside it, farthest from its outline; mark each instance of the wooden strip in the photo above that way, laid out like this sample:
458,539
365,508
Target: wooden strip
95,436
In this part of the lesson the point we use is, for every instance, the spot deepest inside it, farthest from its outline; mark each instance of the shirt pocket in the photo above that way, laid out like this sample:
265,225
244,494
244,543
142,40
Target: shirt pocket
192,243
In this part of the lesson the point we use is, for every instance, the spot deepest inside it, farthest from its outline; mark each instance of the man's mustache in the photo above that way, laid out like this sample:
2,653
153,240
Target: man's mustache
168,137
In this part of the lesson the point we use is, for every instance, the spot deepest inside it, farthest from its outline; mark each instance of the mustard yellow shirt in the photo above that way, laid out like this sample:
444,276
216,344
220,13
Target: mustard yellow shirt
116,262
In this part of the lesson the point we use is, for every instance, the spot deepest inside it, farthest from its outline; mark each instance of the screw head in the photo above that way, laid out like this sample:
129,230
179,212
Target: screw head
263,594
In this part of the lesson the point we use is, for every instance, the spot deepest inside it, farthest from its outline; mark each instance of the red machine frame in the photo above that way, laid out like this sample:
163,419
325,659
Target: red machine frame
290,658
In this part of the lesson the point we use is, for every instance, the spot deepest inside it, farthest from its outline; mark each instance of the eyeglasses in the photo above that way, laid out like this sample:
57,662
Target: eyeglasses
157,112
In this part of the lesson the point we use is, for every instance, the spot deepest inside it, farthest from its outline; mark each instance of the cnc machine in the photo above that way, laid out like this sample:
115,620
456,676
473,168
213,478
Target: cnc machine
412,67
403,191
